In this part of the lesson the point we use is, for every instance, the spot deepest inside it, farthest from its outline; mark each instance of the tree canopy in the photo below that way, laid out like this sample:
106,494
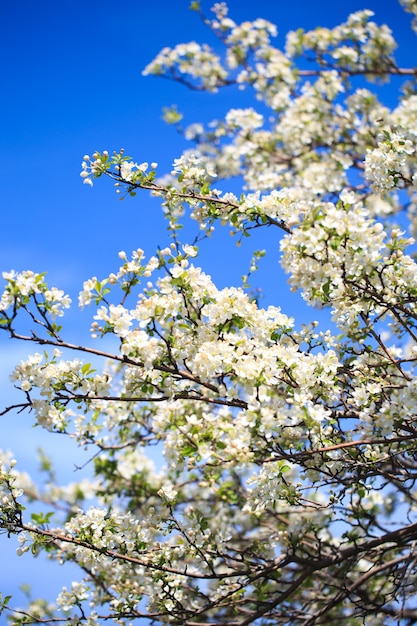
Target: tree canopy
286,493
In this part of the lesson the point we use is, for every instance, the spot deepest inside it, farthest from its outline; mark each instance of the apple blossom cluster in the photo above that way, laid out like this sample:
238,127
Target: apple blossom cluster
20,287
272,74
269,72
188,170
335,246
248,35
242,39
28,291
190,184
341,256
356,45
306,138
129,171
9,492
386,165
68,599
271,486
191,60
57,382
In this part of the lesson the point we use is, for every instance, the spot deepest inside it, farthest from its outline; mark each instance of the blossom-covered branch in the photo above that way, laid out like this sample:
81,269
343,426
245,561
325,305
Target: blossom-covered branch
248,469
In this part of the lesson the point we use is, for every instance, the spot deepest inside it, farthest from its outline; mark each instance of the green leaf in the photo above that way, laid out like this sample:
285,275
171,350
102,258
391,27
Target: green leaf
42,518
4,602
188,450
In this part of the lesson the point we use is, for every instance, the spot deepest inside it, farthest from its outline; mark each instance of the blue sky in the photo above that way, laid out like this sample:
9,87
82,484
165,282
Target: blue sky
71,83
